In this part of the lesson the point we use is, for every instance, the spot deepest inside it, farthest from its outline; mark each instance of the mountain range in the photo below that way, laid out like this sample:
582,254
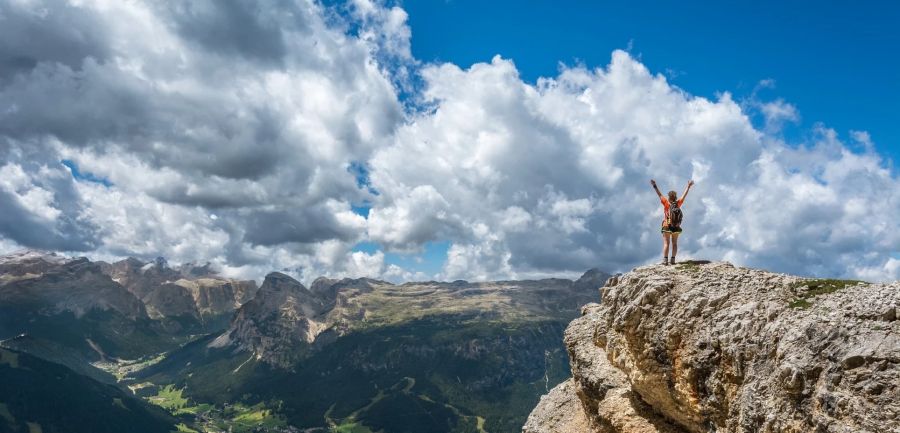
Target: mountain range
353,355
698,347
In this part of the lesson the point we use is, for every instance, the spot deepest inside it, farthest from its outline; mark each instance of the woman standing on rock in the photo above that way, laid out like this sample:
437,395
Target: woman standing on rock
671,225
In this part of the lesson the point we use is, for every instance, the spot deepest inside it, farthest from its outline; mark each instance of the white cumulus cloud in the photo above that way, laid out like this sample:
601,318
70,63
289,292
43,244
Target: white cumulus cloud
245,133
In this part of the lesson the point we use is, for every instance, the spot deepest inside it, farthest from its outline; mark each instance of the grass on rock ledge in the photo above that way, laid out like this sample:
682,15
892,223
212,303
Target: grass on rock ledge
809,289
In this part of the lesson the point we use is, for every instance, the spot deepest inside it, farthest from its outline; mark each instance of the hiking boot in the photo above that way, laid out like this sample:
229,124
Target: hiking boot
665,261
672,261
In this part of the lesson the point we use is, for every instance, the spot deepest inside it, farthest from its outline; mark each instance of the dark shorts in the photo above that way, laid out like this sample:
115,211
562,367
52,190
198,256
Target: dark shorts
670,229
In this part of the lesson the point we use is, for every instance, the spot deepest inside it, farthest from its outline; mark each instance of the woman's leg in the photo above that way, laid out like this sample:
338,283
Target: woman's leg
674,245
665,250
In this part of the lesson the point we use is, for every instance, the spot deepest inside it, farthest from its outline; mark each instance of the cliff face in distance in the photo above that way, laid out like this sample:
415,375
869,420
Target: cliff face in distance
186,290
52,284
370,356
708,347
130,287
127,309
282,318
285,318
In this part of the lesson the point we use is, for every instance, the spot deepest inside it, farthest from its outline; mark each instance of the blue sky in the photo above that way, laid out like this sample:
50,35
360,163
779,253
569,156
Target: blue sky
428,262
836,62
86,176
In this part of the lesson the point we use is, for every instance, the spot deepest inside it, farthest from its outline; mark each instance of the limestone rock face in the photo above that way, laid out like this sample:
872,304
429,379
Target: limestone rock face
216,295
27,262
285,321
53,284
715,348
188,290
283,318
559,411
170,300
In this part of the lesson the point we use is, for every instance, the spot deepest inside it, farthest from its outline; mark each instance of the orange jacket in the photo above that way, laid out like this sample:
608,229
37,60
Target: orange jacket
665,203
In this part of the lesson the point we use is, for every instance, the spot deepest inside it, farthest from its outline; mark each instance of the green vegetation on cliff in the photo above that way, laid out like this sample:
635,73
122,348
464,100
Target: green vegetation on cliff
808,289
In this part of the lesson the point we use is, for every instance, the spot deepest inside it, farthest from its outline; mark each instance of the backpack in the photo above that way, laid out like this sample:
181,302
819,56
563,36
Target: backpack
675,215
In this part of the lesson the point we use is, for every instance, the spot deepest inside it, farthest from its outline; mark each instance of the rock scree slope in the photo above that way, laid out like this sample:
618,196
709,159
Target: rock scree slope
710,347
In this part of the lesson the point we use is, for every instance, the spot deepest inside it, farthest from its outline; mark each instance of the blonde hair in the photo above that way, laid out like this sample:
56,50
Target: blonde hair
673,196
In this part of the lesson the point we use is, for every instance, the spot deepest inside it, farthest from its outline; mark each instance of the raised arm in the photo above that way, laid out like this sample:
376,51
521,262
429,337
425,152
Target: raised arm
686,190
655,188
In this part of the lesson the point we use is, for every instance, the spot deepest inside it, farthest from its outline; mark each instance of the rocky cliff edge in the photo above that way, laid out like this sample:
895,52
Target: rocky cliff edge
710,347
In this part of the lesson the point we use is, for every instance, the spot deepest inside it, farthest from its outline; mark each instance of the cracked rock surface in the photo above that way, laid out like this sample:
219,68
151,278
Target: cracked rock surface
710,347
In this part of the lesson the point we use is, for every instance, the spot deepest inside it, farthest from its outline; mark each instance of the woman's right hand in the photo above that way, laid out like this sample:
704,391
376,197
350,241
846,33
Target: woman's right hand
652,182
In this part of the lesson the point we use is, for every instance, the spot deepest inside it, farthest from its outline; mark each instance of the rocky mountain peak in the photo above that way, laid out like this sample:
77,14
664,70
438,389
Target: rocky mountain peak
30,262
278,282
591,274
285,318
709,347
322,284
592,279
188,290
194,270
282,319
140,278
160,262
58,284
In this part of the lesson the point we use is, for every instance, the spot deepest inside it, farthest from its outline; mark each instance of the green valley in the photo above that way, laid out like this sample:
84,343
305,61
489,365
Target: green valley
350,355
